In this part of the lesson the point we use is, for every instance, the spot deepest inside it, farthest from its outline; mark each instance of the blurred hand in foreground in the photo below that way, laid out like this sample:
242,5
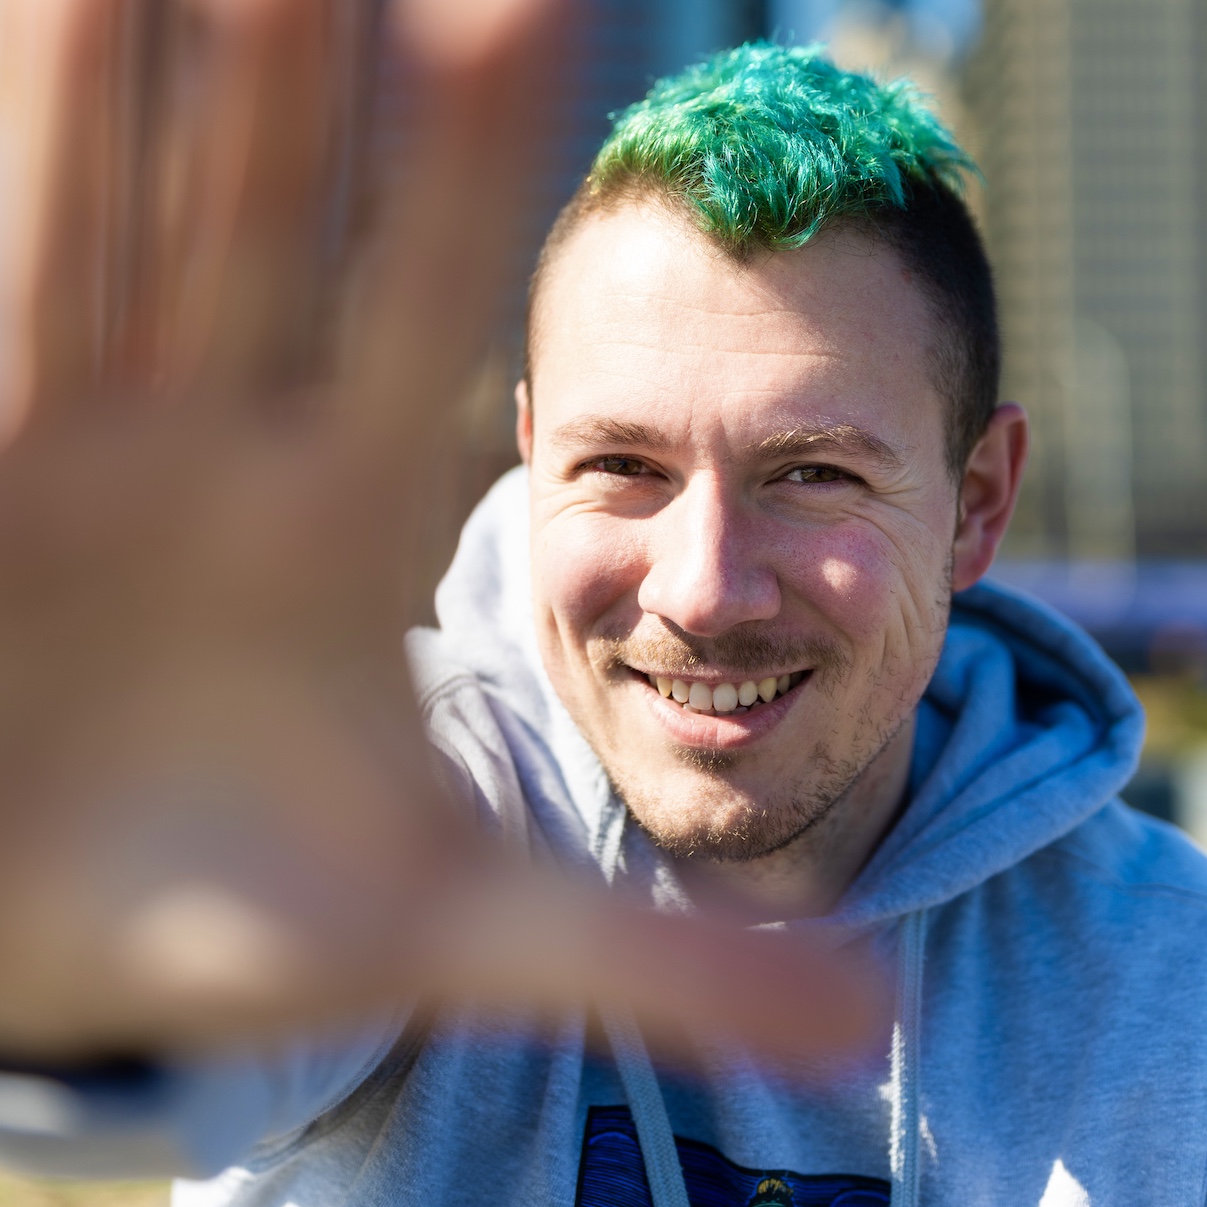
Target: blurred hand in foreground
227,358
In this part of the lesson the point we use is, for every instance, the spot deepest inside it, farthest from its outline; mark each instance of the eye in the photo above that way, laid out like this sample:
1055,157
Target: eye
624,467
810,474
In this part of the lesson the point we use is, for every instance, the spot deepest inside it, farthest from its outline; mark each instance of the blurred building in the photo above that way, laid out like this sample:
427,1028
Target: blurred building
1091,116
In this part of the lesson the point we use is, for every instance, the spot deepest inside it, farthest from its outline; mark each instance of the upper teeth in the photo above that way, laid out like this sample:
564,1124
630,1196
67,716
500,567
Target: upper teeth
725,697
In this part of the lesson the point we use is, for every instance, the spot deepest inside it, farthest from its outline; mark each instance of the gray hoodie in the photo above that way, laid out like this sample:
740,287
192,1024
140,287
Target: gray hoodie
1049,945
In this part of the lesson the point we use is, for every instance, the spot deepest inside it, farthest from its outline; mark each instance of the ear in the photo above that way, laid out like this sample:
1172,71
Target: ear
523,421
988,493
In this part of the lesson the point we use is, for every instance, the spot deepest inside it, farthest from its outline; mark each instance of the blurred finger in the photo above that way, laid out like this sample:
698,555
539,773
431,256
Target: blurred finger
478,74
529,937
241,127
181,160
461,34
58,125
257,108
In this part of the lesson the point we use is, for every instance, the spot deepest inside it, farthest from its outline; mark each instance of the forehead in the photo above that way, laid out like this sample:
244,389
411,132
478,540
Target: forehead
639,313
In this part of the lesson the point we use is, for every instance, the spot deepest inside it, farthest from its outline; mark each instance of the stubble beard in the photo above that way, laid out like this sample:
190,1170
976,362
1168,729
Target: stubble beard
770,825
761,827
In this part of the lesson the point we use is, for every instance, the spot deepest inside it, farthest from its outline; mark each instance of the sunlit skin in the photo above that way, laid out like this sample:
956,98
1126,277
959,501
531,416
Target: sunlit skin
738,471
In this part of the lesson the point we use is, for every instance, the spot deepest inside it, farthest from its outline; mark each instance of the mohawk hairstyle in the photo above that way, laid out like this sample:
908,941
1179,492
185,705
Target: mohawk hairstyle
765,146
770,144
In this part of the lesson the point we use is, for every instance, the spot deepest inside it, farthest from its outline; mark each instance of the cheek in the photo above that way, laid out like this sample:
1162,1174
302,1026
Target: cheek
586,572
880,590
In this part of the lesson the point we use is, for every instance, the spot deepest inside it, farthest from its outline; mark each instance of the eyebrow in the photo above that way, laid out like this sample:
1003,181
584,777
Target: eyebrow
836,438
808,441
598,430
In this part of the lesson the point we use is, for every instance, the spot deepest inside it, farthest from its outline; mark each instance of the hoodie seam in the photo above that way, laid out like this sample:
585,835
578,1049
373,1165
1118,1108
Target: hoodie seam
939,836
392,1056
1110,879
447,685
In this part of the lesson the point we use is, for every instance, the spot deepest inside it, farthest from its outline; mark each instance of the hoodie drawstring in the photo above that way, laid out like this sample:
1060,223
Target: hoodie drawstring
907,1030
654,1133
657,1141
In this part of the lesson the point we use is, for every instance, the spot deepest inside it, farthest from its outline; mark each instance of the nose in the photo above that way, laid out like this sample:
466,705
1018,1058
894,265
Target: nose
706,572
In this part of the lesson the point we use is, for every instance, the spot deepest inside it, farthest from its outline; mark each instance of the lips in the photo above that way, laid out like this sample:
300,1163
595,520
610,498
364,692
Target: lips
745,725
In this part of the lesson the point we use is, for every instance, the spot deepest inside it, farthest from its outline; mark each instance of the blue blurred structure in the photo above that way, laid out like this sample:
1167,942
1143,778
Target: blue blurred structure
949,26
1150,616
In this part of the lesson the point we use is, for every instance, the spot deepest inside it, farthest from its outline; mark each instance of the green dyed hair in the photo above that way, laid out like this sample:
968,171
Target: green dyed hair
766,146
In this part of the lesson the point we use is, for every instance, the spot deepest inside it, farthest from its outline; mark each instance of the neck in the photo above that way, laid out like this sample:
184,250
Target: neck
807,877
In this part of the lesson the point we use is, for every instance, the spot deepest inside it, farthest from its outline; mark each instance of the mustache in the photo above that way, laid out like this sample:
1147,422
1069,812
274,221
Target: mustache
740,653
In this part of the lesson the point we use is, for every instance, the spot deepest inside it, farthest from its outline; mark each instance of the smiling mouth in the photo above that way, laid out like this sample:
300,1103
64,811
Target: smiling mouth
721,699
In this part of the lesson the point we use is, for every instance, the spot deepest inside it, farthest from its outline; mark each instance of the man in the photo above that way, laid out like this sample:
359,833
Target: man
720,645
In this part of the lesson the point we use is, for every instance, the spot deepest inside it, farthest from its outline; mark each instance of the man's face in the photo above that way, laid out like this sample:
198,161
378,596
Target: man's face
738,476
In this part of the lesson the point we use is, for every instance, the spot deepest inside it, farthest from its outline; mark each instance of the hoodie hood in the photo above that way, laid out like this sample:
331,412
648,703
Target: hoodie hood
1026,729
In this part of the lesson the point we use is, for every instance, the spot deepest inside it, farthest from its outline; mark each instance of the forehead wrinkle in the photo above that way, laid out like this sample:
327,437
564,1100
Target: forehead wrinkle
839,437
750,331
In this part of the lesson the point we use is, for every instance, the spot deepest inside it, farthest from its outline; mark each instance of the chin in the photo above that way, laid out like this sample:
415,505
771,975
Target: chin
725,824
